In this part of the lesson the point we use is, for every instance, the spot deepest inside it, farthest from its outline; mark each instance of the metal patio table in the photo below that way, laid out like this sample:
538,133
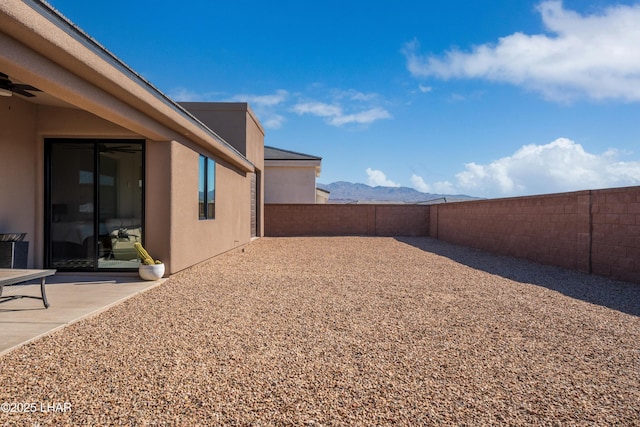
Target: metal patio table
18,277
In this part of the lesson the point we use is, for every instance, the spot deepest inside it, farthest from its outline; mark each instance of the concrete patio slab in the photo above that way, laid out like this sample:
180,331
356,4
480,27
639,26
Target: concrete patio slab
72,298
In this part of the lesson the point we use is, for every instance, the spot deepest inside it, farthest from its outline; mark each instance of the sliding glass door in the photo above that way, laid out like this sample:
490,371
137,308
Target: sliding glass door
94,203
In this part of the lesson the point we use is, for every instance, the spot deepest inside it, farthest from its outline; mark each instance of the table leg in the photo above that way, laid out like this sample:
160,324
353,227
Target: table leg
44,295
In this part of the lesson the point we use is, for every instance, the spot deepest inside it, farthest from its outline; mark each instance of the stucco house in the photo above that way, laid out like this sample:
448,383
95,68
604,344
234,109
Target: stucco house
94,157
290,177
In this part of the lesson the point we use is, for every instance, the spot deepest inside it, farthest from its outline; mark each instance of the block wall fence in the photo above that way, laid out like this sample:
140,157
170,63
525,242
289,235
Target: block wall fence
594,231
345,220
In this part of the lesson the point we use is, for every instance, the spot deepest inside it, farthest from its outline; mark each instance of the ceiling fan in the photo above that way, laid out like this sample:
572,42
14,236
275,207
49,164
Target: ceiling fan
7,87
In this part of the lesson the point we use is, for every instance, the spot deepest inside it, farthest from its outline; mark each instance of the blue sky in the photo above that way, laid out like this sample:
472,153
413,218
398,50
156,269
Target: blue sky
491,99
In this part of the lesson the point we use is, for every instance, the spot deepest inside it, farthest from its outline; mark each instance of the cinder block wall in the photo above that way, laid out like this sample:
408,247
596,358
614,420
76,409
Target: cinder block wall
615,234
343,220
550,229
594,231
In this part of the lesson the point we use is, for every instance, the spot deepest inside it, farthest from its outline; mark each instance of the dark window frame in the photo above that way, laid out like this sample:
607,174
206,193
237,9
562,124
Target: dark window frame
49,209
206,188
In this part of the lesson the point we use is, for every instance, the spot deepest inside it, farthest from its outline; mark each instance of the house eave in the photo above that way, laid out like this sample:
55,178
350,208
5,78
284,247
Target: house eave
78,70
293,163
290,163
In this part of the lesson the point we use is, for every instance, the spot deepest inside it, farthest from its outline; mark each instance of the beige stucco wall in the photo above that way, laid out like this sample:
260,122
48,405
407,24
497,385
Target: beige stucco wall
65,65
23,128
103,99
229,119
289,184
236,123
255,154
193,240
158,174
173,231
19,168
322,196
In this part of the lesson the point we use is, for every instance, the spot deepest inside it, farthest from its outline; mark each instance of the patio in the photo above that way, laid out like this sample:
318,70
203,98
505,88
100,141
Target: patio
345,331
72,298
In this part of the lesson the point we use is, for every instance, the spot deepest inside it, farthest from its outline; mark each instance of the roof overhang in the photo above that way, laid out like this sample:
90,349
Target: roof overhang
43,49
316,164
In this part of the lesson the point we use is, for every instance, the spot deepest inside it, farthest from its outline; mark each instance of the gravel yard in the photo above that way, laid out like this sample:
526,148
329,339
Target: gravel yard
345,331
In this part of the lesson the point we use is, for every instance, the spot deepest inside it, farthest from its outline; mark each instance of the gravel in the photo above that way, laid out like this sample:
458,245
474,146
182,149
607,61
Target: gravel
344,331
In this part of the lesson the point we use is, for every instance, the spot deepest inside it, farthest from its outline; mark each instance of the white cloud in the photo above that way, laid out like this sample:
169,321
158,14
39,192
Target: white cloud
182,94
335,115
319,109
419,184
362,117
597,56
456,97
341,107
559,166
442,187
262,100
378,178
424,88
273,121
355,95
265,107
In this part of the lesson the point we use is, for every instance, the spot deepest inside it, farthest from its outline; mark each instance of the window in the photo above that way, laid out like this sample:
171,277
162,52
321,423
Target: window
207,188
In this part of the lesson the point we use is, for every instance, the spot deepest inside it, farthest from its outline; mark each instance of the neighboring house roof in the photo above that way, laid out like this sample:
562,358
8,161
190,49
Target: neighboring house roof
272,153
110,88
277,157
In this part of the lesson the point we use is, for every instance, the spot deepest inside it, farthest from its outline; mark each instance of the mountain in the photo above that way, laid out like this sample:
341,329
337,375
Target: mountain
348,192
